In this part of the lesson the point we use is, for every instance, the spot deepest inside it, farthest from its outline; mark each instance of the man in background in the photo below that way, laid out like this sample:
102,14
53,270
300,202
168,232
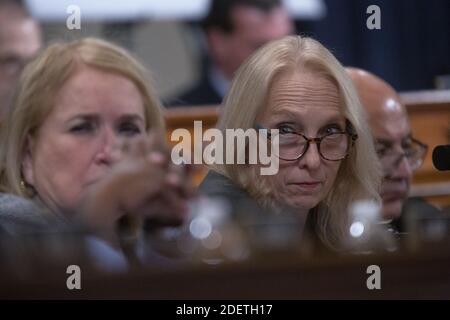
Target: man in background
234,29
399,152
20,40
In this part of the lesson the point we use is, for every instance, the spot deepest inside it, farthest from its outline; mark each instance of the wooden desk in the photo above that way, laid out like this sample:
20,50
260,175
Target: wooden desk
274,275
184,117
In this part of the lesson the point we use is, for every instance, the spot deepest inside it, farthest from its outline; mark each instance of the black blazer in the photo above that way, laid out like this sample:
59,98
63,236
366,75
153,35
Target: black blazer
203,93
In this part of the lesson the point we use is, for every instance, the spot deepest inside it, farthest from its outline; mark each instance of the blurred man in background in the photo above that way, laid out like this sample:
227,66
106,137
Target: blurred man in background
400,154
234,29
20,40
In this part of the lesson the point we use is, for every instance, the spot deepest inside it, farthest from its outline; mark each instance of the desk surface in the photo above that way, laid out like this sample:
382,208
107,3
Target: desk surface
281,275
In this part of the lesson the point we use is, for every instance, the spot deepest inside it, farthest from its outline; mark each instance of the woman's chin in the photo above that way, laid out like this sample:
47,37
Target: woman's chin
303,203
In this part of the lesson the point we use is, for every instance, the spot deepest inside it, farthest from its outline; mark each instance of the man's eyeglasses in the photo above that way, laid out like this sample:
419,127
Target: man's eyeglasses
414,152
333,147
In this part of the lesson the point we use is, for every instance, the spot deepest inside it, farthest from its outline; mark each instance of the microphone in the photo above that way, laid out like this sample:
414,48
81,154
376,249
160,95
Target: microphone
441,157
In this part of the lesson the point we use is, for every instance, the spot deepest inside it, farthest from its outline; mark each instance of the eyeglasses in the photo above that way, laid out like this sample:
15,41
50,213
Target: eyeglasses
333,147
414,152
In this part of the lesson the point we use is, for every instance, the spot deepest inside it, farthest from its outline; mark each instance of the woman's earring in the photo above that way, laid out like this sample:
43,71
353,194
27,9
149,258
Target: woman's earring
26,188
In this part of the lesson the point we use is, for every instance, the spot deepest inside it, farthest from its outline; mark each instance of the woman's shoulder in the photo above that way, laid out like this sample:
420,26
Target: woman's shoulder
19,215
242,205
216,184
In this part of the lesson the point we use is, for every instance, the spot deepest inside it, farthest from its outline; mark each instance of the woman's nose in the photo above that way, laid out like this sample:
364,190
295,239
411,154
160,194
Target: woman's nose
109,148
311,158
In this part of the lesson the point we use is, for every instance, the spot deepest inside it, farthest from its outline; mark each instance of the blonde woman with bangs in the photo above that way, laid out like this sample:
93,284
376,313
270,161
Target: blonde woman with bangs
326,154
81,144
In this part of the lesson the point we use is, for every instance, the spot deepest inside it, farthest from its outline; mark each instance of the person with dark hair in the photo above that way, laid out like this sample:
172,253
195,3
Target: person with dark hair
20,40
234,29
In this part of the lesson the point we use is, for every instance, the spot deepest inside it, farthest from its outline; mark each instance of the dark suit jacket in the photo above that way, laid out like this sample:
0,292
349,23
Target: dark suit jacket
415,210
203,93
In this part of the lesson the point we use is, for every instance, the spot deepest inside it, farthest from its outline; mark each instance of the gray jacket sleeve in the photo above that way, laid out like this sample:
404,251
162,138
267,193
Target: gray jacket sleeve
20,216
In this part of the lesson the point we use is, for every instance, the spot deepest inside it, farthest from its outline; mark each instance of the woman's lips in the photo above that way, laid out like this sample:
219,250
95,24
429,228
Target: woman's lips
307,186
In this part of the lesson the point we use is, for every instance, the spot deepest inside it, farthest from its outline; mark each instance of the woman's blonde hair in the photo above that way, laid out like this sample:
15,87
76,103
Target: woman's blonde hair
359,175
40,82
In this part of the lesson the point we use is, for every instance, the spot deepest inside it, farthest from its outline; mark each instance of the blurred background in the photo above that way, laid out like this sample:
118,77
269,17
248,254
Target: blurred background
411,51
